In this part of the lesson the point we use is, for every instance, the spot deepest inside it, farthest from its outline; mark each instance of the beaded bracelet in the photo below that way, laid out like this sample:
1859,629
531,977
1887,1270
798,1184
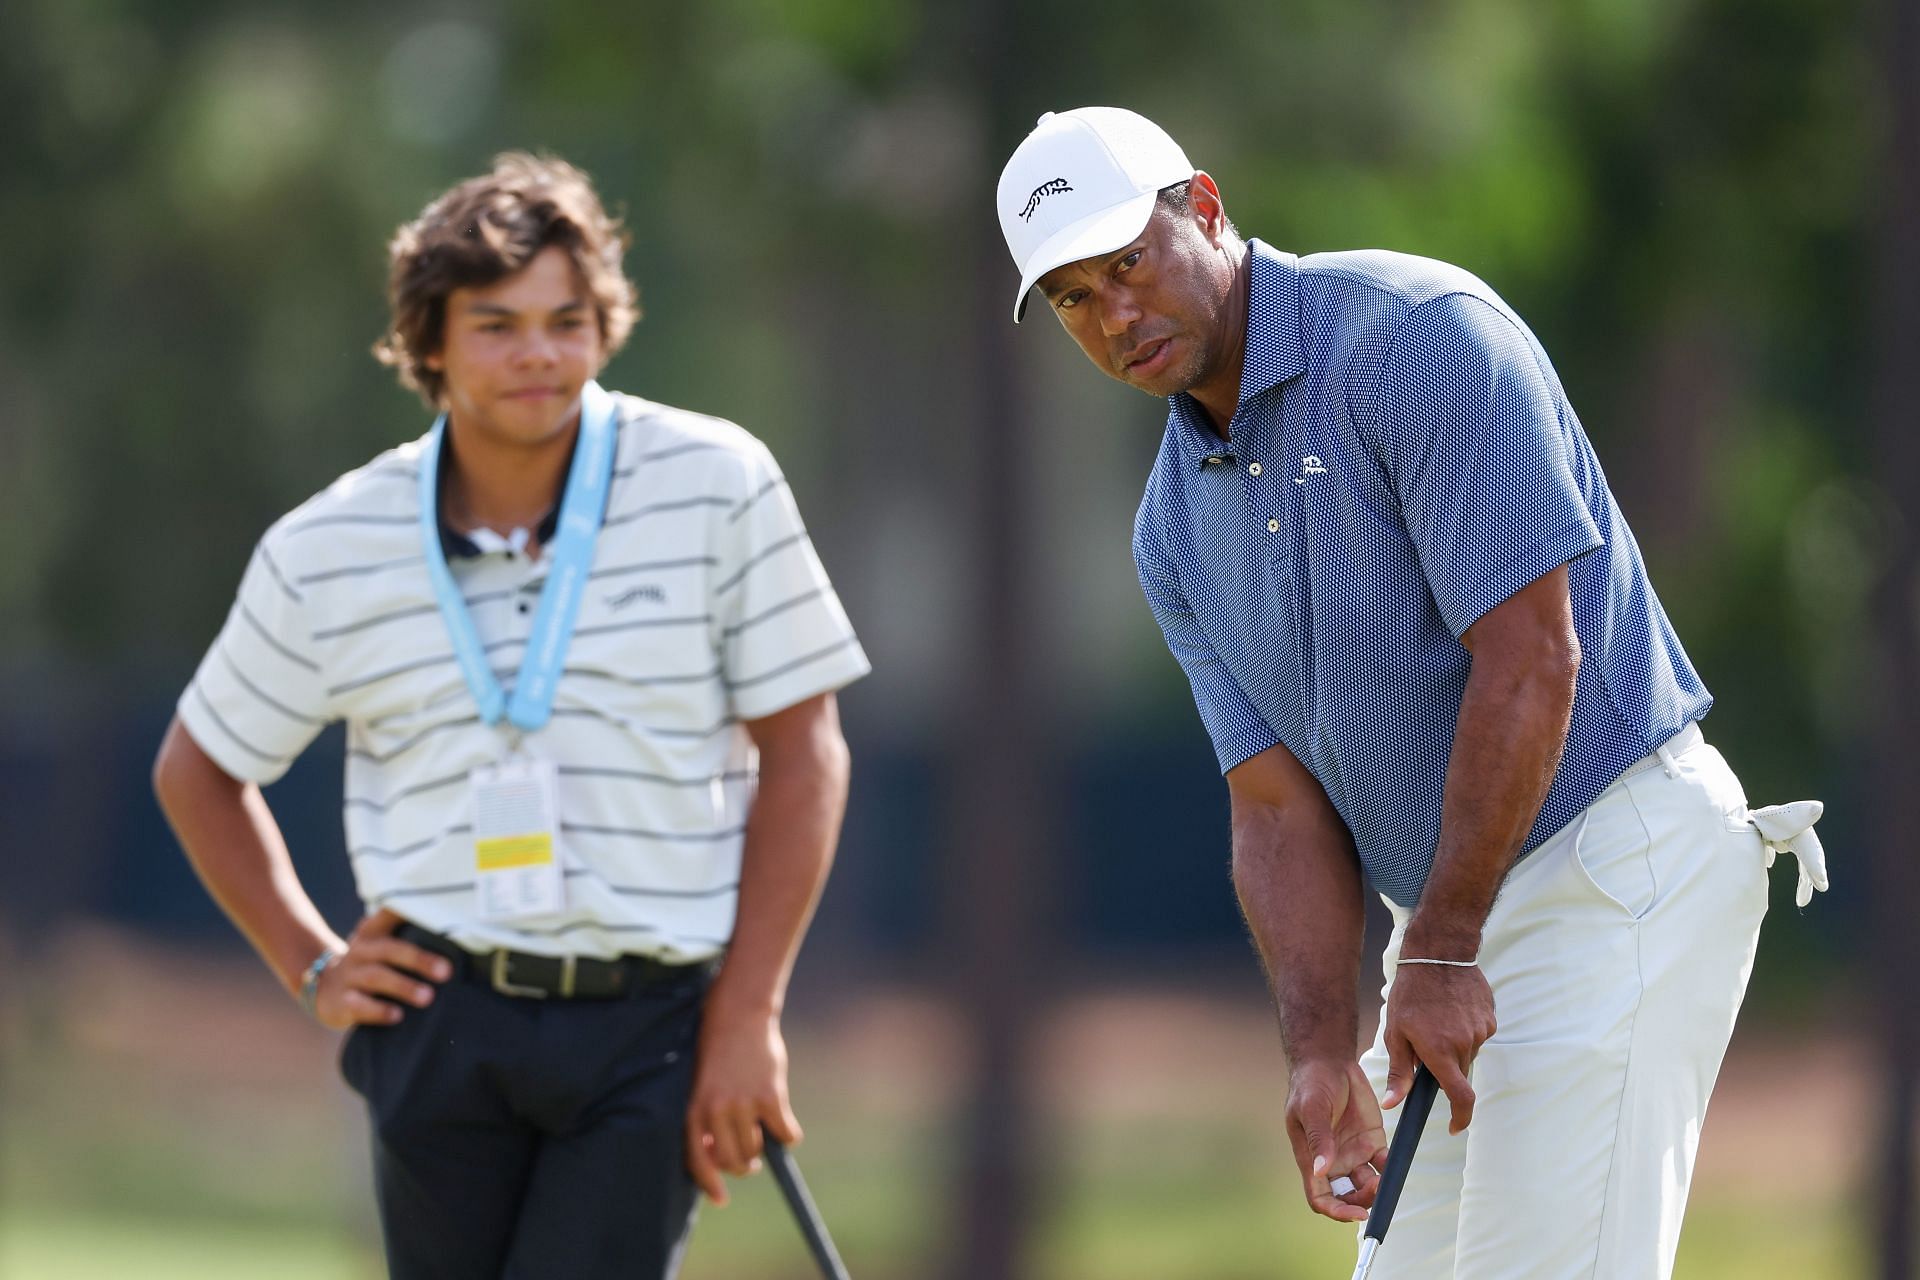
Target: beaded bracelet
310,981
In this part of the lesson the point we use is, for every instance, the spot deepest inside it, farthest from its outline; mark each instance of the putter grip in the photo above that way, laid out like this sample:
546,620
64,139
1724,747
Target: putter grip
1413,1120
805,1213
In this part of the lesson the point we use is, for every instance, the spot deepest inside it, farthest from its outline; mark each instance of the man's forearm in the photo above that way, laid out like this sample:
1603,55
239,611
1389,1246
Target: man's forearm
1512,729
789,845
1300,890
237,850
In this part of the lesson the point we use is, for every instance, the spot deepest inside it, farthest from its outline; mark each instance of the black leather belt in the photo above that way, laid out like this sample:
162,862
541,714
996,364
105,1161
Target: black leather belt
523,974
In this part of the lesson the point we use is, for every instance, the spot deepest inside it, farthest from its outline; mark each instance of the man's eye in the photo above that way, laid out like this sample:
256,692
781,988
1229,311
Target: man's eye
494,326
1127,263
571,322
1067,300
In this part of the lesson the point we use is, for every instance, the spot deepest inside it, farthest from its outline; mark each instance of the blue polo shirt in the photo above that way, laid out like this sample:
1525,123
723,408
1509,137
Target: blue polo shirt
1402,459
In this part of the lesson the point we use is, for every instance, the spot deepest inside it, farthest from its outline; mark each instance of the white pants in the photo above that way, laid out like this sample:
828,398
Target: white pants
1618,953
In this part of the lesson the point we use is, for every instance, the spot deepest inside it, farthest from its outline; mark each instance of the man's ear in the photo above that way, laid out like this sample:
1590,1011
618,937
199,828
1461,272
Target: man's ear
1203,198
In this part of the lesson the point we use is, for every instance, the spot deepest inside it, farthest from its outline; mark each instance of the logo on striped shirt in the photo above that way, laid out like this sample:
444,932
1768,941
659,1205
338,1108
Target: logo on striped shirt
651,592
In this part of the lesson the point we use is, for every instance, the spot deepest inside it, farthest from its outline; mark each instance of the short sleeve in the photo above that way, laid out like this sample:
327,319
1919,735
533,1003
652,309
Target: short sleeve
1238,730
259,697
782,633
1476,436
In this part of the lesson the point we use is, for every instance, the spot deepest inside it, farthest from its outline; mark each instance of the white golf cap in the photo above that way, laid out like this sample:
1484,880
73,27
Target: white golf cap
1083,183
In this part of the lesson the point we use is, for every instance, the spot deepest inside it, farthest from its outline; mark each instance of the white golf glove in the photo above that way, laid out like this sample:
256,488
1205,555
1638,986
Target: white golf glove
1788,828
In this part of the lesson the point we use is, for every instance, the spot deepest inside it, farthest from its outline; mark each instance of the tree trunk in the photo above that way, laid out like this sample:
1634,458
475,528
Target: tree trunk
1896,870
998,857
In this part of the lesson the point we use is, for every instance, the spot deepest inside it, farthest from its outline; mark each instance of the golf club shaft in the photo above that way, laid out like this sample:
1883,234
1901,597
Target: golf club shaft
1413,1121
794,1188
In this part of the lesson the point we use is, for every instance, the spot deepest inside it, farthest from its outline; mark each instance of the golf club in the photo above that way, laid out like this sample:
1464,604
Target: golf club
1413,1120
794,1188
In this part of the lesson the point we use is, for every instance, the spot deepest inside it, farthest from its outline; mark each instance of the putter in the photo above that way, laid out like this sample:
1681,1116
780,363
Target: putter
805,1213
1413,1119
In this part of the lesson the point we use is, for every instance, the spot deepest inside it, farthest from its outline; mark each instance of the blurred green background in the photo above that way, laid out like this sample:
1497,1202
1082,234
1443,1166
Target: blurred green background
1683,197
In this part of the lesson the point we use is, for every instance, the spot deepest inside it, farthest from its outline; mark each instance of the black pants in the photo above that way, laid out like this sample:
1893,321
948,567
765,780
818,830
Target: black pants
524,1138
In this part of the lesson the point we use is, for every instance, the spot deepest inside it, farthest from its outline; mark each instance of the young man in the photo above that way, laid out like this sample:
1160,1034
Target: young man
1422,638
587,659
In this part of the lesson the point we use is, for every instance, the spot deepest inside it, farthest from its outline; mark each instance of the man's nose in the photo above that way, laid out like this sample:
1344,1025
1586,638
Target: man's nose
538,349
1118,313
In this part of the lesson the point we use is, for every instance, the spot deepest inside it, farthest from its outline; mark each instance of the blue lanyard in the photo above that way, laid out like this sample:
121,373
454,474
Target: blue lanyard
572,557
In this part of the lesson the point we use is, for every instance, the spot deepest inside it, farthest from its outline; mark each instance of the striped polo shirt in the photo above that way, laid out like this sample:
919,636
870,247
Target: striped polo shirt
1402,459
706,606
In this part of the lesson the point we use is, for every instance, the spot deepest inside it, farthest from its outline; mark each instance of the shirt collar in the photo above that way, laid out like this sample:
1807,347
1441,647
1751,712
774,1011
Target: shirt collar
1275,353
456,545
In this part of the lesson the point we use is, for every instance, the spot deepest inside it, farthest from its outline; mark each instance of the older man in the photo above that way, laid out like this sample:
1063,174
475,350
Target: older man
1423,640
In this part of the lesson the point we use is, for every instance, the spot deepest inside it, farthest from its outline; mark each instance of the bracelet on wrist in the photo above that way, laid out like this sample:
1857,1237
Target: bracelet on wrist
1451,964
310,981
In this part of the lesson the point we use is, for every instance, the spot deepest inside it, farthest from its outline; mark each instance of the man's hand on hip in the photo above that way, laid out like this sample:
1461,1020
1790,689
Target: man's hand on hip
376,975
1440,1016
1335,1128
740,1084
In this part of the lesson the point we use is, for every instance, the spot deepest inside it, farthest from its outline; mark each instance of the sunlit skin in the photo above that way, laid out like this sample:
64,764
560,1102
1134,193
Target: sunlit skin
1167,312
515,355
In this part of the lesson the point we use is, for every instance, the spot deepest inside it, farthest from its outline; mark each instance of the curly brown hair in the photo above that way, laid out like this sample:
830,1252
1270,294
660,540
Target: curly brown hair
484,230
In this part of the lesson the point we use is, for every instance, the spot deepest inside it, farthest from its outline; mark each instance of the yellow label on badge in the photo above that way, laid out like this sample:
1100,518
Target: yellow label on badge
503,852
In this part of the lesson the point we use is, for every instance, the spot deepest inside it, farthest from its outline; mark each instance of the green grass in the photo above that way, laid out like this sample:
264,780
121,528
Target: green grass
1146,1222
127,1149
1119,1230
1140,1199
43,1243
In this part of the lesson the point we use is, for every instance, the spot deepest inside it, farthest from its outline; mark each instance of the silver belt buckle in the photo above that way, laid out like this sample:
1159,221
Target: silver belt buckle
502,961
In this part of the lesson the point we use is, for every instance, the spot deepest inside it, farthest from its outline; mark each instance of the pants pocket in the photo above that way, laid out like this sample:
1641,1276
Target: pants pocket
1706,769
1614,851
351,1047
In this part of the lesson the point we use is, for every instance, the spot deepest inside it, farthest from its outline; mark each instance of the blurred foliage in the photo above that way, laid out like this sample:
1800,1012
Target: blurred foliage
1676,193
